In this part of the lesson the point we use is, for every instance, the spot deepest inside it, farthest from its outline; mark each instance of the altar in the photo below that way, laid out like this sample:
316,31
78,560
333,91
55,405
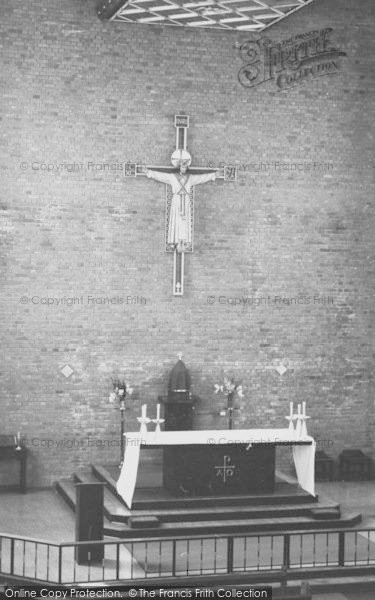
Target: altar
218,462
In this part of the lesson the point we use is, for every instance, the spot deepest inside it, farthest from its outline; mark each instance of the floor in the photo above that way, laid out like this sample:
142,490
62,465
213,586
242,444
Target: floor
42,514
346,596
352,496
353,595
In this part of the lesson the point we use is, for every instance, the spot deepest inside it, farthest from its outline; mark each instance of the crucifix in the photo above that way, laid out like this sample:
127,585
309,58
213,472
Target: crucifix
180,182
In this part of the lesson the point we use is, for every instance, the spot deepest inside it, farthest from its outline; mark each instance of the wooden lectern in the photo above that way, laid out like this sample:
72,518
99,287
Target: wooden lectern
89,522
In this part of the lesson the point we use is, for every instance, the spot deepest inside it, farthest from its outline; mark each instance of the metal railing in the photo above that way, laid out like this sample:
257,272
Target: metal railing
279,555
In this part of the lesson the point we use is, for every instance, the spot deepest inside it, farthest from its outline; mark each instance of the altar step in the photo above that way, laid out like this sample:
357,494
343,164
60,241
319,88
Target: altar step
114,510
156,513
199,509
158,498
232,526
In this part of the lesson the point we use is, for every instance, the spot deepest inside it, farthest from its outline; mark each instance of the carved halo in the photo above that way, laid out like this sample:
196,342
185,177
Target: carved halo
180,156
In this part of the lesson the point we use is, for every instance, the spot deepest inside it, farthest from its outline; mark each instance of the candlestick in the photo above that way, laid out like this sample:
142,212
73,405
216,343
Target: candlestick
290,418
143,420
299,421
304,419
18,440
158,421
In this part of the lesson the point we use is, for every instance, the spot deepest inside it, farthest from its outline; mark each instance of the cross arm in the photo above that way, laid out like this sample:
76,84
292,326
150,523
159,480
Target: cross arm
228,172
135,170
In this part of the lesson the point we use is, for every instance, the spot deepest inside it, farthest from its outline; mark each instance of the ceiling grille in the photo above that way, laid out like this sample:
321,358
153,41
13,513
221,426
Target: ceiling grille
240,15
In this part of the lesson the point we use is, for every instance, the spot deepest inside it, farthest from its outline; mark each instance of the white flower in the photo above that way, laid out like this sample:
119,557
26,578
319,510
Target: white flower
130,390
112,397
240,391
218,388
121,392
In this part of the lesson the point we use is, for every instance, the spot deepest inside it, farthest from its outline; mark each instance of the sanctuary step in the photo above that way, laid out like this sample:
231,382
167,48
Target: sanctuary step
161,498
156,512
233,526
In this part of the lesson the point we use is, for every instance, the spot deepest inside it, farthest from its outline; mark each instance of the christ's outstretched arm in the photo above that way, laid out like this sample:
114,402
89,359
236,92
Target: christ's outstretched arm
198,179
157,175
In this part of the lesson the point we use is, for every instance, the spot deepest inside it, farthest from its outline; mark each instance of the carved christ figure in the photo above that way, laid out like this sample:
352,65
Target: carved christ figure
180,215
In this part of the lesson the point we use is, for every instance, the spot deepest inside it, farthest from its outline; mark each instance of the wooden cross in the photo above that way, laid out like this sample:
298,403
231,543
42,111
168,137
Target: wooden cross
180,182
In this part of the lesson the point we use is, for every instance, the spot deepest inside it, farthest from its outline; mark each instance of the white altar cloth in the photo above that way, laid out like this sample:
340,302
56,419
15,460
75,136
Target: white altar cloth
303,451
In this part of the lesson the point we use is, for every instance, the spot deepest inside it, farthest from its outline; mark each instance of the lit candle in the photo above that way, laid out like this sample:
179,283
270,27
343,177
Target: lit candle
291,409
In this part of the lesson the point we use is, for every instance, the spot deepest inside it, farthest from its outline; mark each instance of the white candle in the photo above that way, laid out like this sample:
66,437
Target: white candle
299,410
304,409
291,409
158,411
144,409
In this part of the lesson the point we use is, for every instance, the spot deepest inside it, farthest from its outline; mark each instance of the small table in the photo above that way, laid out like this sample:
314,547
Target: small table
354,464
8,449
323,466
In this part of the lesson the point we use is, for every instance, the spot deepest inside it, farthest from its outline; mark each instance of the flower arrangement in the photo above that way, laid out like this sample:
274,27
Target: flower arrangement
229,387
121,389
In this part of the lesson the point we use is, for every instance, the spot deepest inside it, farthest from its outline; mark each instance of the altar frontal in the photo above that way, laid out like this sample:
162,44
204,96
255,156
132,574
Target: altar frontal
219,461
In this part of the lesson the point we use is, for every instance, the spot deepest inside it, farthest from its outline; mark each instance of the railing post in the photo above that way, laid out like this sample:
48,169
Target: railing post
12,556
174,558
117,561
286,562
230,555
60,564
341,549
286,557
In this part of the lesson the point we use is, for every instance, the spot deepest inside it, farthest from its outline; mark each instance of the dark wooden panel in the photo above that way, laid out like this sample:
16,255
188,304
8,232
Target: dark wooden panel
208,470
89,521
178,416
10,448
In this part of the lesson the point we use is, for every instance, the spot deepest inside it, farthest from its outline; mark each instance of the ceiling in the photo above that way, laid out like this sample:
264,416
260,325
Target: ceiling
239,15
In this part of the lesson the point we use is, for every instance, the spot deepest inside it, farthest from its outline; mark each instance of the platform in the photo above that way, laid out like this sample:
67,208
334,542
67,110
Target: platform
157,511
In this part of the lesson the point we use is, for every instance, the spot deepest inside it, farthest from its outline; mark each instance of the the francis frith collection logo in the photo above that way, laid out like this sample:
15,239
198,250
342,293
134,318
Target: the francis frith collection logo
291,61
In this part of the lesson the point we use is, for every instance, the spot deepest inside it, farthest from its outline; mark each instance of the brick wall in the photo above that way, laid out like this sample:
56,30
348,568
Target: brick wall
78,90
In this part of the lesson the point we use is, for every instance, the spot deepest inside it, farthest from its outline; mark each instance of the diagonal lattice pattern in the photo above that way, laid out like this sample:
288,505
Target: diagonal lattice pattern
242,15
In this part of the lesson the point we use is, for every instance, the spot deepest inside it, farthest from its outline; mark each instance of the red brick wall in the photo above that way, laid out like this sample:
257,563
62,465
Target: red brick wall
78,90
